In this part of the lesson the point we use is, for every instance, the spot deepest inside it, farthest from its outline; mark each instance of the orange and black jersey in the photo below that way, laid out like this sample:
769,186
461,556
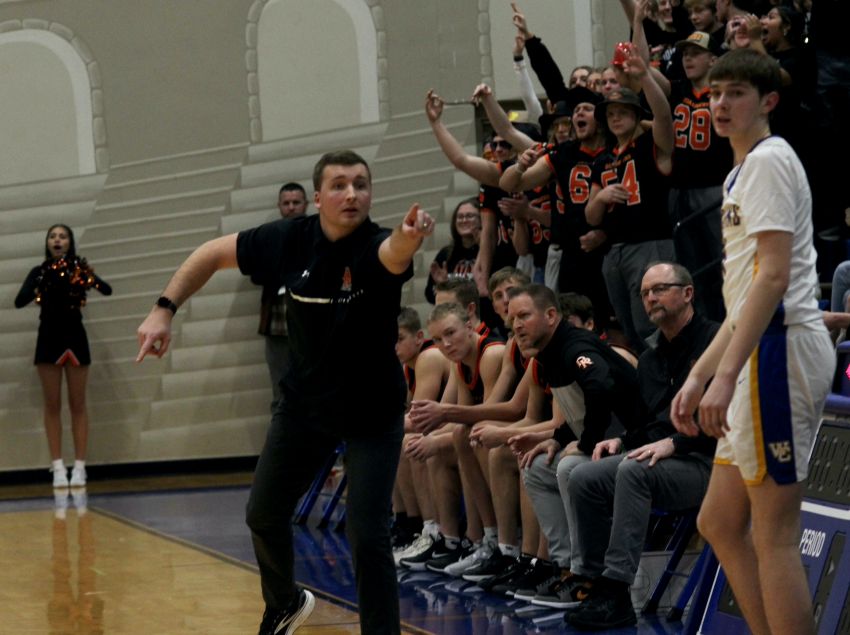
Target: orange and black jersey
471,377
700,158
410,372
644,215
504,254
519,362
539,235
459,261
572,166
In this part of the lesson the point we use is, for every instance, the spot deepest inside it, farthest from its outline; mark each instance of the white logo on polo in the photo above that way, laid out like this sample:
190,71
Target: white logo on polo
306,273
781,451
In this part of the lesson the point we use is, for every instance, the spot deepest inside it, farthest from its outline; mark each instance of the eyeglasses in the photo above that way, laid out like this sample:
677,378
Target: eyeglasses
468,216
500,144
660,289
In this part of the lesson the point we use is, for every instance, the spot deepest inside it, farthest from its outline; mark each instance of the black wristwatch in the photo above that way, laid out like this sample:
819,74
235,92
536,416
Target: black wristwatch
166,303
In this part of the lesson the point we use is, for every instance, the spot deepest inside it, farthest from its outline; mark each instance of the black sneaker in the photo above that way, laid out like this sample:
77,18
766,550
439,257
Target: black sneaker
606,608
439,562
534,572
546,578
568,594
494,565
518,568
286,622
417,562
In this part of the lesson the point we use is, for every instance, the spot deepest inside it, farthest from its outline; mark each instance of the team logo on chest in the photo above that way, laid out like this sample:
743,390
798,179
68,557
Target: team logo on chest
346,280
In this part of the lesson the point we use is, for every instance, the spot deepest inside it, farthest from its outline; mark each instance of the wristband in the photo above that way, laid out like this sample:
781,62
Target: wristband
166,303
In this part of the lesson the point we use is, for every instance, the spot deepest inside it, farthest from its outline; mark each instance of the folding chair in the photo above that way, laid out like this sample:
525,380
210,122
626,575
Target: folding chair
312,495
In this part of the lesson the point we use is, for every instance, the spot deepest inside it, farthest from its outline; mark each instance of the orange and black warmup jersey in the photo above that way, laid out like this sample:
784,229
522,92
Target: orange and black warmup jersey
572,165
700,157
471,377
539,234
643,216
488,198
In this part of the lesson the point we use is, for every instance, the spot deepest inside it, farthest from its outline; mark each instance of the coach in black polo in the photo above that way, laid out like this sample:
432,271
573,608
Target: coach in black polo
341,276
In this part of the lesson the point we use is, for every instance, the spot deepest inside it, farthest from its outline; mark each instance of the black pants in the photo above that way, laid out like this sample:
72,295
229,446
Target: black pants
294,451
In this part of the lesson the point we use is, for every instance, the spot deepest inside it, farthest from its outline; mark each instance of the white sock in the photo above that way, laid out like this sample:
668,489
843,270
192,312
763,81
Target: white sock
430,528
451,541
491,535
509,550
79,465
58,465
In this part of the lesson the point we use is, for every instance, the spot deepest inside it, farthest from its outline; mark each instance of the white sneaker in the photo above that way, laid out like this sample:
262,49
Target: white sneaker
78,477
60,478
419,546
460,567
81,500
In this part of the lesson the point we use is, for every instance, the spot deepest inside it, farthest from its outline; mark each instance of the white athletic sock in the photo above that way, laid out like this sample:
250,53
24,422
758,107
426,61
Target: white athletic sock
58,465
430,528
491,535
451,541
509,550
79,464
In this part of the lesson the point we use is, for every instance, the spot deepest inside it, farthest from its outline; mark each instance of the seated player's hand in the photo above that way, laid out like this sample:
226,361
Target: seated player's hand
608,447
426,415
488,435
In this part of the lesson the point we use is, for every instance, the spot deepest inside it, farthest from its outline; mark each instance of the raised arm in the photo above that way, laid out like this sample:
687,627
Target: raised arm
396,252
526,88
155,332
483,95
478,168
541,61
642,46
662,117
529,171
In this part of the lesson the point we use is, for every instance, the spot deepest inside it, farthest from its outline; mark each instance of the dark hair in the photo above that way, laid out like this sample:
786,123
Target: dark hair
794,20
292,186
465,291
456,239
507,273
576,304
542,296
408,319
339,157
747,65
72,245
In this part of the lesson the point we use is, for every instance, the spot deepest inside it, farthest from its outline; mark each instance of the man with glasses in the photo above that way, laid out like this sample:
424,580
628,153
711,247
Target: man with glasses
652,466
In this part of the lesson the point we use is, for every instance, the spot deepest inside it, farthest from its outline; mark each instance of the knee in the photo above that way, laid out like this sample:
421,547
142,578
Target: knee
502,461
632,472
575,480
460,440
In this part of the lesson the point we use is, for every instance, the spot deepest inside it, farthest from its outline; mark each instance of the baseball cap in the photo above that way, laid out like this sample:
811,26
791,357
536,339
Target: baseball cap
697,38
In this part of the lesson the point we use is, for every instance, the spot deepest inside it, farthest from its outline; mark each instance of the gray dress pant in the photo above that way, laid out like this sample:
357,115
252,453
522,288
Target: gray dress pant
613,499
546,486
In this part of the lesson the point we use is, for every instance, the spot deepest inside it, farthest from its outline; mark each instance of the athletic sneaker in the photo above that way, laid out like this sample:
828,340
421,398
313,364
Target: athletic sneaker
516,569
60,478
448,557
78,477
568,594
418,561
422,544
481,553
532,574
606,608
495,565
550,574
286,622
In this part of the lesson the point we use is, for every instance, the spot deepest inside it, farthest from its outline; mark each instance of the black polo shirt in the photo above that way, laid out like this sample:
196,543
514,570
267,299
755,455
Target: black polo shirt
341,311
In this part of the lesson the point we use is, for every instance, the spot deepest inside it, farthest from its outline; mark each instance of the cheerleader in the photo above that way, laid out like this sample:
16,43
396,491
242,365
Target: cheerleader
59,286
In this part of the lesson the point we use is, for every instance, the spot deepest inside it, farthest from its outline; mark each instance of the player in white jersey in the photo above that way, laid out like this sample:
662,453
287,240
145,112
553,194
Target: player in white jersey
771,363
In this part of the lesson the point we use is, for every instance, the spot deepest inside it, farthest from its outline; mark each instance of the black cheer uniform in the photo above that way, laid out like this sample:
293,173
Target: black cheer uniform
59,286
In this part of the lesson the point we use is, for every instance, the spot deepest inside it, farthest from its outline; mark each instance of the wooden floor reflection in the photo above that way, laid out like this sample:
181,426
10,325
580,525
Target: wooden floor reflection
88,573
